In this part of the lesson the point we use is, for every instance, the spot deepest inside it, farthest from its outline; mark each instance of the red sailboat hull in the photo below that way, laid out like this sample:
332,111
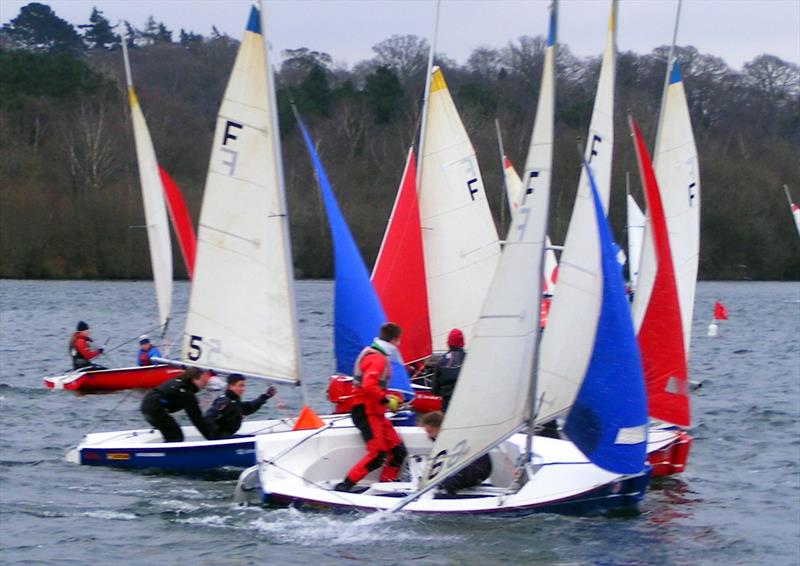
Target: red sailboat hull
671,459
114,379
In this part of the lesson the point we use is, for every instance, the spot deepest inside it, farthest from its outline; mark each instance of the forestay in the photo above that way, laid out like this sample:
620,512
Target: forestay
676,169
155,212
241,314
459,238
568,340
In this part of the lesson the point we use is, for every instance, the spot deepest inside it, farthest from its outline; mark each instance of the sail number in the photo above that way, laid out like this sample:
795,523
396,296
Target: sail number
194,348
444,460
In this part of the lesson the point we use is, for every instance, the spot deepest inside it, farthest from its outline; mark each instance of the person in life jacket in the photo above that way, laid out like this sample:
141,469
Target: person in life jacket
146,351
370,402
172,396
449,366
226,412
470,476
80,348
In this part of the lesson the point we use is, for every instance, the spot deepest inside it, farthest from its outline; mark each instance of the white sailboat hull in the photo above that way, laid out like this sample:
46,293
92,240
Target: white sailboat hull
300,468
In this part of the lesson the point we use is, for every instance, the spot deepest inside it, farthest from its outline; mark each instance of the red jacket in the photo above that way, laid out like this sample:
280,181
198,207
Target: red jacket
83,348
374,368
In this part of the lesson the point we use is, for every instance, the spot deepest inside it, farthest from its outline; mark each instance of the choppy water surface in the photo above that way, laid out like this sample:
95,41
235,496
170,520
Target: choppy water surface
738,502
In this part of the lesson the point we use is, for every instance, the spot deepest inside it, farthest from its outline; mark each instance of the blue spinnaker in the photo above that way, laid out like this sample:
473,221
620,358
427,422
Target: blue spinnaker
608,421
357,312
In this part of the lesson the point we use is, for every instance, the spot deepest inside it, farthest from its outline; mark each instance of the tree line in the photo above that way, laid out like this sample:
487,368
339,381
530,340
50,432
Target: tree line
71,204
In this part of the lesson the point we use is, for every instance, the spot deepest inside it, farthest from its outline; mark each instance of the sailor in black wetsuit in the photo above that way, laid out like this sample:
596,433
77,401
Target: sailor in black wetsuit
448,368
226,412
172,396
472,475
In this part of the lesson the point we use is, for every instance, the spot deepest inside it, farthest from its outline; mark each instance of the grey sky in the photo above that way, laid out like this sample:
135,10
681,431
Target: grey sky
736,30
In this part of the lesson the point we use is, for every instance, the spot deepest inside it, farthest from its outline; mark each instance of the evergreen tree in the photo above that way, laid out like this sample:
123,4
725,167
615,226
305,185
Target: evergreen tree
37,28
190,38
99,34
384,93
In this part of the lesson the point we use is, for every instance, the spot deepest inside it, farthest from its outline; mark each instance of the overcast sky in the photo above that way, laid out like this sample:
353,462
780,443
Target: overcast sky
736,30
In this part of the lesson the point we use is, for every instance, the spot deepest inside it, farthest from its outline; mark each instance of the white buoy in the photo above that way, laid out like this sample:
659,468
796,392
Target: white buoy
712,329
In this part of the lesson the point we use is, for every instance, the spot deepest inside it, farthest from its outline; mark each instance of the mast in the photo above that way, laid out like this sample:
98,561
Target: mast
426,94
667,75
552,41
276,148
502,170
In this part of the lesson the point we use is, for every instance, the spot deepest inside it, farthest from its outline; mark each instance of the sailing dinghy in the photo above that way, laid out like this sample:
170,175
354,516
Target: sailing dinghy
241,316
157,187
486,416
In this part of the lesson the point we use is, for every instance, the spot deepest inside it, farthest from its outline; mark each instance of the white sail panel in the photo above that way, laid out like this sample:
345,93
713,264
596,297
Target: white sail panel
241,310
514,193
635,228
677,171
459,238
155,210
567,341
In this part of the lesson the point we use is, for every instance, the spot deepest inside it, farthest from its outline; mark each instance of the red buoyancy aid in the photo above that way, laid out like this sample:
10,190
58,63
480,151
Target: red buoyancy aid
370,377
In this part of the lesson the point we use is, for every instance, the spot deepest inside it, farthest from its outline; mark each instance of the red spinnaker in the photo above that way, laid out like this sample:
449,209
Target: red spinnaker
661,333
181,221
399,273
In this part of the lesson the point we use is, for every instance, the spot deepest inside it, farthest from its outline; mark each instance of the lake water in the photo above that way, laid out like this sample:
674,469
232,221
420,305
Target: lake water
737,503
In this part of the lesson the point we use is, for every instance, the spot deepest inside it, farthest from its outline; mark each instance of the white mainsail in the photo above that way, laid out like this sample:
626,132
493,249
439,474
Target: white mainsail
677,171
567,341
241,315
459,238
635,228
482,412
155,210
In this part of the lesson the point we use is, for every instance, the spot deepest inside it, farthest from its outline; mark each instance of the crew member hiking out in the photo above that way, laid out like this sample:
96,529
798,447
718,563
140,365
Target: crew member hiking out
172,396
370,402
226,412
